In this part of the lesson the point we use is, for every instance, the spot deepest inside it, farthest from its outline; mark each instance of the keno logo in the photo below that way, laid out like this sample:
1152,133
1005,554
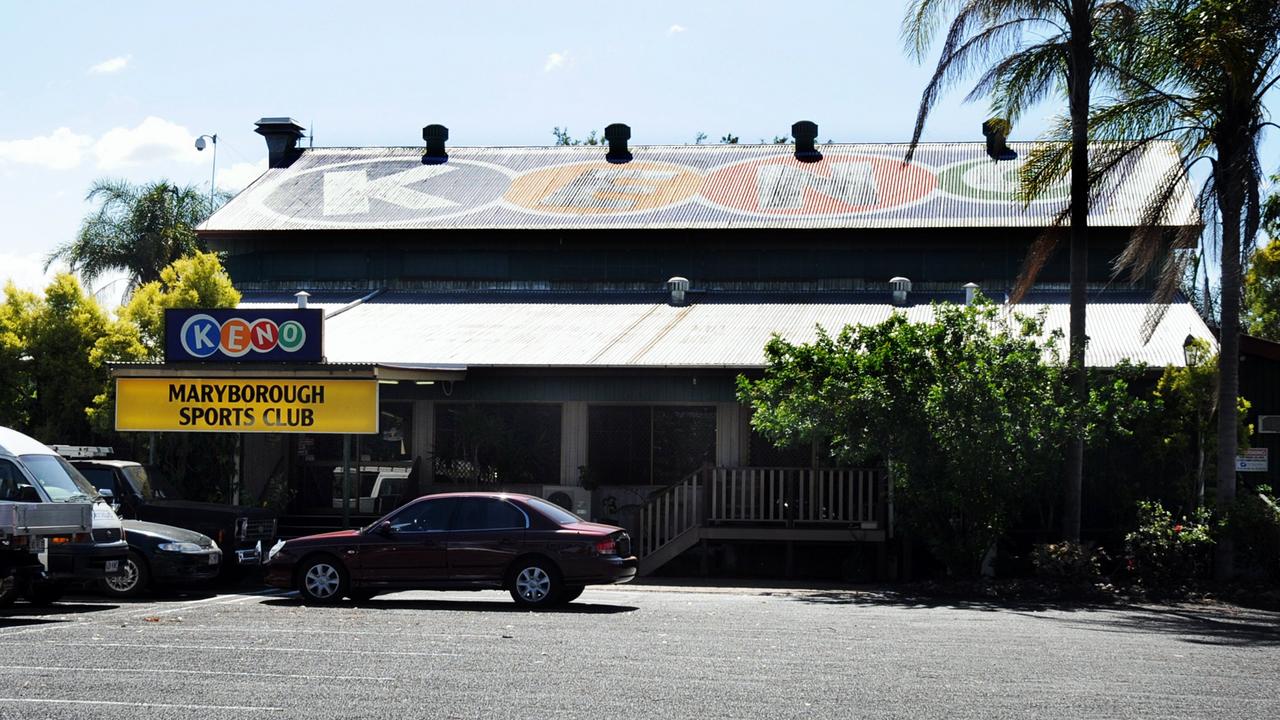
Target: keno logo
202,336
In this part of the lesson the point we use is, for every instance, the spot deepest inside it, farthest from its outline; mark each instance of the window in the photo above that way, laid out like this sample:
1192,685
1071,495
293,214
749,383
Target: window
425,516
488,514
10,480
555,512
60,481
497,443
648,444
101,478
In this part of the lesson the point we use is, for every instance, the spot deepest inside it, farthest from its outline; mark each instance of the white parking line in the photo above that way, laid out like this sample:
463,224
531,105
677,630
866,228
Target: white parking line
120,703
172,671
238,648
215,600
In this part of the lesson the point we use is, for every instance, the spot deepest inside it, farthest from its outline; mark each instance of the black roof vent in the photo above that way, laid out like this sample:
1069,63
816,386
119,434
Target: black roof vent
435,135
996,131
617,136
282,136
806,134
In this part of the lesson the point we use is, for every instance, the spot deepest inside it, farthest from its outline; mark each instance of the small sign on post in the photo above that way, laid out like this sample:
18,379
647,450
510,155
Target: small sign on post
1252,460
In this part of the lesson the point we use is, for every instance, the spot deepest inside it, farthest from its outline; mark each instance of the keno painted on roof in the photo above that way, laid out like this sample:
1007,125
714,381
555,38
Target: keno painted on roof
683,186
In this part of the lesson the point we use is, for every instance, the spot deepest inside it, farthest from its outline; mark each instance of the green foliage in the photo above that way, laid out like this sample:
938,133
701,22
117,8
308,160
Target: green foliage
1069,563
1262,289
47,380
1254,524
965,411
1166,554
563,137
137,229
729,139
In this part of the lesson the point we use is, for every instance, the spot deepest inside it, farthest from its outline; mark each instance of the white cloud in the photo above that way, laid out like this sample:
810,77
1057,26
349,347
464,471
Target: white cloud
675,29
154,139
238,176
26,271
114,65
60,150
555,61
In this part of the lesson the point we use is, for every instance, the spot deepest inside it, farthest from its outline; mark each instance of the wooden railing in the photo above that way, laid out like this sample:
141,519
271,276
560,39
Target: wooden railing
788,497
671,512
793,495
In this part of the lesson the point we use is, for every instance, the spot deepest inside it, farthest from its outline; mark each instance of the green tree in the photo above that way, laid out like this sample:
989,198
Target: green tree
964,411
1262,292
1029,48
17,318
1199,73
59,338
136,229
563,137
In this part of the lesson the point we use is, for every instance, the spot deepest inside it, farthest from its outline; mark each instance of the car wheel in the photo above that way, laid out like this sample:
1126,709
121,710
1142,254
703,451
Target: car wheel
135,580
362,595
535,583
322,580
571,593
44,593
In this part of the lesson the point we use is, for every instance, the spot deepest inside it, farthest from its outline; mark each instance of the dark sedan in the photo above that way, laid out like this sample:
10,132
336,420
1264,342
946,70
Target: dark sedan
540,552
163,555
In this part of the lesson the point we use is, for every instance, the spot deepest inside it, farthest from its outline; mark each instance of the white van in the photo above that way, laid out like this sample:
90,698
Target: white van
78,557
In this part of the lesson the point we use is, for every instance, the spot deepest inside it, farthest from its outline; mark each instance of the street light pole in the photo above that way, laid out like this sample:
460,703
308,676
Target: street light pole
200,145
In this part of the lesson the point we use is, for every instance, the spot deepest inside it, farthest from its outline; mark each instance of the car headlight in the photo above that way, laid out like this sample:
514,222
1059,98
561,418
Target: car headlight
215,547
181,547
275,550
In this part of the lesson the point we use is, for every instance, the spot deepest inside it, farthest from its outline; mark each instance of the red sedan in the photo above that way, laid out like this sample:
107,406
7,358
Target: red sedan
539,551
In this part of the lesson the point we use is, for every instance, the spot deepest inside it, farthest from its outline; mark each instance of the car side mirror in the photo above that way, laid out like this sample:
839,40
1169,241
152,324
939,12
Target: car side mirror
384,528
107,494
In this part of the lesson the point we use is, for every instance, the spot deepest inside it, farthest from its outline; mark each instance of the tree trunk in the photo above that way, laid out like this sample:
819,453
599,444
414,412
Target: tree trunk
1080,76
1230,181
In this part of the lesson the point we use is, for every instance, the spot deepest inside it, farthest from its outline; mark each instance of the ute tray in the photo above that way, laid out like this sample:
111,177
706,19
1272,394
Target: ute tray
19,518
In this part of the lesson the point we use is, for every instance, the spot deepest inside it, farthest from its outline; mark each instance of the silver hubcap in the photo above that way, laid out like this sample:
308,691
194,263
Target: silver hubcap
322,580
126,581
533,584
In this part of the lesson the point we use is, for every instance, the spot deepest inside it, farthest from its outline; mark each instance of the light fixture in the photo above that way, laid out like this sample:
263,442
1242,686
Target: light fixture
388,382
200,145
424,382
1189,351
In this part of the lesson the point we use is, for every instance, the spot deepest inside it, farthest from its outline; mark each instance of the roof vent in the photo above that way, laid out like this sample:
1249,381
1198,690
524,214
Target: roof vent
996,131
806,134
617,136
900,286
301,296
679,286
970,293
282,136
435,135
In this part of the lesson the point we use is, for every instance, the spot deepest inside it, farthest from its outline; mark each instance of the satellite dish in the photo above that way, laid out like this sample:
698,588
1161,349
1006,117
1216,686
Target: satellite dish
200,143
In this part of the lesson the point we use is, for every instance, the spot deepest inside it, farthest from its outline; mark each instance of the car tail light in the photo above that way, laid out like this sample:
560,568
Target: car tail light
606,547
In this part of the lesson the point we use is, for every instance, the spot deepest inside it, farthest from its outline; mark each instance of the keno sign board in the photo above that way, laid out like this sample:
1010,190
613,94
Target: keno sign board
284,335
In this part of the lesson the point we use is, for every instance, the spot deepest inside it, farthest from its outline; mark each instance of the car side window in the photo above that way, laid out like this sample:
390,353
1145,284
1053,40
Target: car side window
425,516
488,514
10,479
100,478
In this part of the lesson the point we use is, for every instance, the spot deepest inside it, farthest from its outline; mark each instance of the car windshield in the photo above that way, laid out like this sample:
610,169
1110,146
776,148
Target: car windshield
140,481
61,482
554,511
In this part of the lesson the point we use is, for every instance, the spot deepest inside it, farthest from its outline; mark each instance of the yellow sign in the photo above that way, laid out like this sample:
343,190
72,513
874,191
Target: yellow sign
208,405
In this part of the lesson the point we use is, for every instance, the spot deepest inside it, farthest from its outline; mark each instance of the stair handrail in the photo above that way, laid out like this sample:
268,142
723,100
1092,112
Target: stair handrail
671,511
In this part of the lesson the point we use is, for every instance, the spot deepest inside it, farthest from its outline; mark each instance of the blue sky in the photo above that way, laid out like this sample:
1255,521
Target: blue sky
122,89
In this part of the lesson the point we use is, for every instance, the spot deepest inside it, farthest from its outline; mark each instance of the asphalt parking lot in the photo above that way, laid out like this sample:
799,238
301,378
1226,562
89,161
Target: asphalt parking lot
633,652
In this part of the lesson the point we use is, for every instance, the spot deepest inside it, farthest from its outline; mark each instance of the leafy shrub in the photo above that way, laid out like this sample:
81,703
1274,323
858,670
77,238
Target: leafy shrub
1068,563
1254,525
1167,554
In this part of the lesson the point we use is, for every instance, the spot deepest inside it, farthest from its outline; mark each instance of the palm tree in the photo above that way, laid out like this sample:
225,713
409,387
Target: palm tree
1200,73
137,229
1030,48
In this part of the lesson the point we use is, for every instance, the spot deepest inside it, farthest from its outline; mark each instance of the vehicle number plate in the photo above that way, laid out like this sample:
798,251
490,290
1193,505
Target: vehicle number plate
112,565
37,545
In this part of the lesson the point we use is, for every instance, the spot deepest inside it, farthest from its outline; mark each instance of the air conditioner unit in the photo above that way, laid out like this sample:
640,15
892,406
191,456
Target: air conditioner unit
1268,424
576,500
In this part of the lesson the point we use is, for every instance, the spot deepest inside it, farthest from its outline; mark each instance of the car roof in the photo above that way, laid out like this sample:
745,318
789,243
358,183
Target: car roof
498,495
15,443
112,463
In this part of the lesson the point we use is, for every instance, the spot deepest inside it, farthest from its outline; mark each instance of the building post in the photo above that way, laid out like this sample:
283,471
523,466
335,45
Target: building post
346,481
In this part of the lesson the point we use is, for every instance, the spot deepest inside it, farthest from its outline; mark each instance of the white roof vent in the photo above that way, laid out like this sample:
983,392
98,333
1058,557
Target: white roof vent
970,293
678,286
900,286
301,296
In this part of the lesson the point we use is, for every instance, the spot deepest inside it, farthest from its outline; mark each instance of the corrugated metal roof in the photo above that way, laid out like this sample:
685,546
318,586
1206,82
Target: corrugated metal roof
683,186
567,330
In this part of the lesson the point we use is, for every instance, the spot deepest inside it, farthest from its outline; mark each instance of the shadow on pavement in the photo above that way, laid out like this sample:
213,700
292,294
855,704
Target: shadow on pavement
465,606
910,601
